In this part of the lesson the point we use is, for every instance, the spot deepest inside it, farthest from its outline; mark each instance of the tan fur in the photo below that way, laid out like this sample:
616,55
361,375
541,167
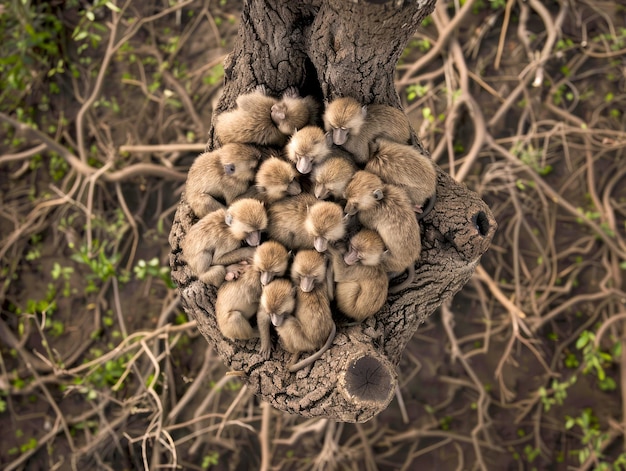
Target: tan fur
308,274
331,177
237,301
404,166
304,222
292,338
250,122
286,221
325,223
387,210
361,125
207,178
277,304
212,243
276,179
293,366
308,148
275,307
361,280
294,112
270,260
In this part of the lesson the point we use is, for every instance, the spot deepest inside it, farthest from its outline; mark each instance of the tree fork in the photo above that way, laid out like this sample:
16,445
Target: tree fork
331,49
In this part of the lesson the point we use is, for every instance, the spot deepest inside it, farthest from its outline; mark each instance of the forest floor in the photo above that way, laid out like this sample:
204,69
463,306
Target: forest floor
102,111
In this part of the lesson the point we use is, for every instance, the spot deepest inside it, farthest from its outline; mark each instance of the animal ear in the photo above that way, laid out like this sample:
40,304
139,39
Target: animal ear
228,219
229,169
364,111
378,194
329,138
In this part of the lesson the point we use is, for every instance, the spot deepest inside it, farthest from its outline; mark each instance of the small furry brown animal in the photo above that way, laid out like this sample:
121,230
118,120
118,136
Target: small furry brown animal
276,179
304,222
294,342
286,221
237,301
406,167
271,260
354,126
278,301
308,147
331,177
308,273
293,112
225,173
250,122
361,280
215,240
325,223
386,209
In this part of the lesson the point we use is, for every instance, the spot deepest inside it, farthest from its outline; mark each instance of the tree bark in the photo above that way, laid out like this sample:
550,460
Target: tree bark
331,49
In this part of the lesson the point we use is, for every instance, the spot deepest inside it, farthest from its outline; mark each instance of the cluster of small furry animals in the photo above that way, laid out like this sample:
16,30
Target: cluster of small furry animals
337,206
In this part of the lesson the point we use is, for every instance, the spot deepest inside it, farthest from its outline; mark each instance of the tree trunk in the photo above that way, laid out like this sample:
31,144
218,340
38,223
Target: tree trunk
329,49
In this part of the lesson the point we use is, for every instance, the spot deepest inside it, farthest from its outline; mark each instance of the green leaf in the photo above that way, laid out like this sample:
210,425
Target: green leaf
80,36
608,384
582,340
113,7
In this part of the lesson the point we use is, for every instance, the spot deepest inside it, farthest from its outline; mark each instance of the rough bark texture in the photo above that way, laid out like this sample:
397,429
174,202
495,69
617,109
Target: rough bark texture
330,49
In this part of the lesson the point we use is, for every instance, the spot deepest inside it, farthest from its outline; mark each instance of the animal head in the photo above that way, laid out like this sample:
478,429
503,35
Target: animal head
344,117
247,218
293,112
307,147
324,222
332,176
239,161
363,192
308,270
366,247
277,179
278,300
271,260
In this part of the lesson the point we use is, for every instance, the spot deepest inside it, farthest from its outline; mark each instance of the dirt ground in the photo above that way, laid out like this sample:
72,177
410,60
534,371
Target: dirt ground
102,110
